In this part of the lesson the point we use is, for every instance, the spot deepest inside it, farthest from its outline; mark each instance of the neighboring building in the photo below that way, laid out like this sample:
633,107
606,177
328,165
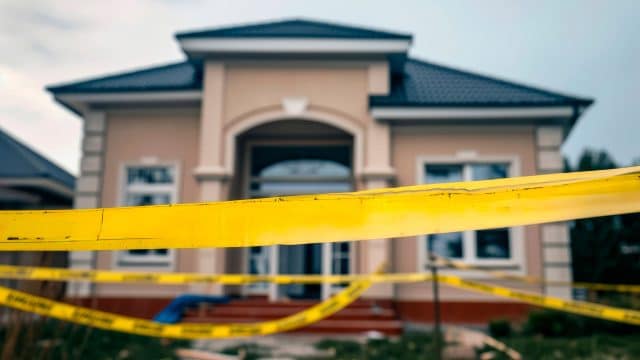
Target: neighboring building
306,107
30,181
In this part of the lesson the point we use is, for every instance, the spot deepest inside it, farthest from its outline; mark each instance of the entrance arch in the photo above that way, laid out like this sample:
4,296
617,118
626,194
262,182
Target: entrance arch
289,157
245,123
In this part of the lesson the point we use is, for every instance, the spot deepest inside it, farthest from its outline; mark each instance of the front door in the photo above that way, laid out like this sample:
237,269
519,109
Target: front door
275,169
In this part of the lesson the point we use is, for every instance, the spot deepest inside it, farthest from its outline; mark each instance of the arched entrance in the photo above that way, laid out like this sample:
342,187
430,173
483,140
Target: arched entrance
291,157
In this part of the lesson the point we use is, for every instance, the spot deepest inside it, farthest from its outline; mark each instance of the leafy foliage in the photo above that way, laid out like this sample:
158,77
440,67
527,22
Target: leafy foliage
605,249
30,337
500,328
248,351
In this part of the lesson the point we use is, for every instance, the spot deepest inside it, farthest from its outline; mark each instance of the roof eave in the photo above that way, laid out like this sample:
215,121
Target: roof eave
289,45
81,102
471,112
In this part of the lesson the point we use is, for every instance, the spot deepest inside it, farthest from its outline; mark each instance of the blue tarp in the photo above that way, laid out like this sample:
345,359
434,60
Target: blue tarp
173,312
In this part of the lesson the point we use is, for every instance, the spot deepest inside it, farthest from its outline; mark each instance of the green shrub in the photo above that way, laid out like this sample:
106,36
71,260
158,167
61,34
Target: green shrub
500,328
343,348
53,339
248,351
551,323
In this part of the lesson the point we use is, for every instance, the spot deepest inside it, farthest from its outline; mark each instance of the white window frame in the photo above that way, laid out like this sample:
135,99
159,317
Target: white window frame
516,264
124,260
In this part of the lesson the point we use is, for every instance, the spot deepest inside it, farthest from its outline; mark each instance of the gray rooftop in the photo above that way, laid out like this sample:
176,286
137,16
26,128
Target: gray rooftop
421,84
17,160
177,76
427,84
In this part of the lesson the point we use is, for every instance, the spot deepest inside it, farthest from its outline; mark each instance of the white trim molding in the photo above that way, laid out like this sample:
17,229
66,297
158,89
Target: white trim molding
48,184
439,113
294,46
130,97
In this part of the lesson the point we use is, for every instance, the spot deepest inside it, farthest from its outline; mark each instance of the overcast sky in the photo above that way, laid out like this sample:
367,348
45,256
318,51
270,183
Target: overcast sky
585,48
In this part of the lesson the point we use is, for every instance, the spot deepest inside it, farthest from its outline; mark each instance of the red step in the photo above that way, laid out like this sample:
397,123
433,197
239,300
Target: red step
360,316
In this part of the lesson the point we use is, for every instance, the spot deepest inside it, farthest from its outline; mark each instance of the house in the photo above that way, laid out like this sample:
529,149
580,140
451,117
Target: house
301,106
30,181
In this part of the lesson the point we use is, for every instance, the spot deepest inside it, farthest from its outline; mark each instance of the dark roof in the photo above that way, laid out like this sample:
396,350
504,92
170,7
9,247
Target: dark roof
184,75
294,28
421,84
428,84
17,160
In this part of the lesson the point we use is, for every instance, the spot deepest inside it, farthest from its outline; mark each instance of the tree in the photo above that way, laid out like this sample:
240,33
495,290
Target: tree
605,249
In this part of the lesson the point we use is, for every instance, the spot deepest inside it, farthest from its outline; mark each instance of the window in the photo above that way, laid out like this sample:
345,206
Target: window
148,185
492,246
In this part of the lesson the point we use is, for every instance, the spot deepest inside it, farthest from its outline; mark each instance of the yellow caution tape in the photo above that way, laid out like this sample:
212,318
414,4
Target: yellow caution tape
372,214
106,276
80,315
576,307
533,279
26,302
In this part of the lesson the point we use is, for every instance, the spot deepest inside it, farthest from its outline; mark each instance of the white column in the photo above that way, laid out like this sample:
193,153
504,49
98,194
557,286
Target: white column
88,191
210,172
556,247
377,174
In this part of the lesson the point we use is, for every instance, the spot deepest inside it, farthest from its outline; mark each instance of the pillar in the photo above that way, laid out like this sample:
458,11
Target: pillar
378,173
210,173
88,191
556,247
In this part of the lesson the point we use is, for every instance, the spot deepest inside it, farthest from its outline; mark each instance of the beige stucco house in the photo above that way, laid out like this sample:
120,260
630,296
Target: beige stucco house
301,106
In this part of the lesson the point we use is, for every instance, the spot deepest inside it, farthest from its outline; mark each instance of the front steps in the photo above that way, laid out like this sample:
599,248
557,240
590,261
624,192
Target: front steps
359,317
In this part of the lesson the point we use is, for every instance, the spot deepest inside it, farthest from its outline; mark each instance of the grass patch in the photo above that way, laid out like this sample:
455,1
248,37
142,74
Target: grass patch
591,347
410,346
248,351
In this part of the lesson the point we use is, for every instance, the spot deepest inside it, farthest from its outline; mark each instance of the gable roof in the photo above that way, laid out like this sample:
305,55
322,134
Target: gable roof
294,28
427,84
17,160
177,76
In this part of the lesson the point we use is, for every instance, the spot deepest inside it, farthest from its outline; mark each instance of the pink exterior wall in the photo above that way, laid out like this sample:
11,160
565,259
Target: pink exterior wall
173,136
250,88
167,136
411,142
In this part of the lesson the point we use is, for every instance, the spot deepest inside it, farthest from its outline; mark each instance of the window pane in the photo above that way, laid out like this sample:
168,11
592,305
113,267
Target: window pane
443,173
306,168
259,260
340,257
493,244
138,252
144,252
340,267
447,245
147,199
150,175
489,171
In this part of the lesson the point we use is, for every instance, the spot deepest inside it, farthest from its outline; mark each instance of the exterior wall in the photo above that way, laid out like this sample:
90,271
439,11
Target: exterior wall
254,87
147,137
464,142
237,91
